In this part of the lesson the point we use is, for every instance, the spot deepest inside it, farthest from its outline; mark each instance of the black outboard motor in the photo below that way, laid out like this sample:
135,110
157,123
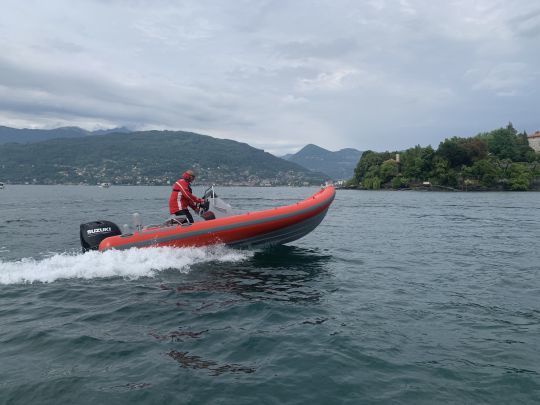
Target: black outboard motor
92,233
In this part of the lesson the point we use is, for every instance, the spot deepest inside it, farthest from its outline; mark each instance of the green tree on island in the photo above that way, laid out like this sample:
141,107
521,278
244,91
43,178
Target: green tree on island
498,160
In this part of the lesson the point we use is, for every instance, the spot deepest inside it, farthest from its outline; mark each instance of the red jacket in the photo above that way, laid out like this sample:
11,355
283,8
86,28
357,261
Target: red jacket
182,197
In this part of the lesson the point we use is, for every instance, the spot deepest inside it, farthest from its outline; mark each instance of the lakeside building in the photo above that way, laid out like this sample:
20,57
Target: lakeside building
534,141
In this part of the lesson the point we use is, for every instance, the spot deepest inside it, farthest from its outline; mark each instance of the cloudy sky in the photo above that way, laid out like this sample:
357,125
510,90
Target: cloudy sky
369,74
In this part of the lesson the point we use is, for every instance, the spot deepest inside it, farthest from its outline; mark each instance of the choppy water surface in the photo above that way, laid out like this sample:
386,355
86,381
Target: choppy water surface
398,297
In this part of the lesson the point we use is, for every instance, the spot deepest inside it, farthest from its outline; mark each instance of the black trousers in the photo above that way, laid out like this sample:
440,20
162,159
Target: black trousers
186,213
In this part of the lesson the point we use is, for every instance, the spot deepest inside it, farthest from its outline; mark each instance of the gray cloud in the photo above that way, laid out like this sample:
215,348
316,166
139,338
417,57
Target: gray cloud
336,48
375,74
526,24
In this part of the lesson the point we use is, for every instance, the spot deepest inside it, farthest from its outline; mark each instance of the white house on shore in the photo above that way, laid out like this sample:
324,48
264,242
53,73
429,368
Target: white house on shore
534,141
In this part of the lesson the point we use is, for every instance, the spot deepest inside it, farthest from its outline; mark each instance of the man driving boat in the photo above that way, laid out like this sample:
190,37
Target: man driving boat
182,197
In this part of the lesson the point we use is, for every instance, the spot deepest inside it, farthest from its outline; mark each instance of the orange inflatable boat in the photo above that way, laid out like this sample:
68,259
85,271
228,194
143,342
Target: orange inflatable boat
269,227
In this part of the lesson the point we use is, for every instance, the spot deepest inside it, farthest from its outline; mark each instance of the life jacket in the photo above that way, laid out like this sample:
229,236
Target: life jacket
182,196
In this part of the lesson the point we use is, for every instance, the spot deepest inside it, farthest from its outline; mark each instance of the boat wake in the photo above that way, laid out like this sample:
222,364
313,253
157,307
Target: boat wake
130,264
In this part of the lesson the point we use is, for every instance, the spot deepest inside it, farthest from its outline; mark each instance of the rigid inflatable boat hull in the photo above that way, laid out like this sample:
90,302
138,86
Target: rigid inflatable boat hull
253,229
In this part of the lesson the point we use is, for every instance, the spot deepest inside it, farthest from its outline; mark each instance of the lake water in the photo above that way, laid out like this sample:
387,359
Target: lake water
397,297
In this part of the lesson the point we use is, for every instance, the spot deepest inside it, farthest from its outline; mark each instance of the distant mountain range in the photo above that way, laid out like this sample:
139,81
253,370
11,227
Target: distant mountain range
75,156
338,165
37,135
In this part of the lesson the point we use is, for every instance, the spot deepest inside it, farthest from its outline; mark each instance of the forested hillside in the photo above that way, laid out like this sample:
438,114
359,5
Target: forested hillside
151,157
26,135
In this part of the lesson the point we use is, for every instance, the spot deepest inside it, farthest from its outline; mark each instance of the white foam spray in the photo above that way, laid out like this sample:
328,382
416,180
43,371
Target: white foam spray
131,264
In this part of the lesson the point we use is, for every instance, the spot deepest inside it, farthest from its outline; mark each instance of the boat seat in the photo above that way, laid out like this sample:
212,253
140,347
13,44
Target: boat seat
181,220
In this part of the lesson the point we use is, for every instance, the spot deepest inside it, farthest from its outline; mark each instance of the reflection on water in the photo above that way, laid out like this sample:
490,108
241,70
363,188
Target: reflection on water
285,275
280,274
196,362
291,258
178,336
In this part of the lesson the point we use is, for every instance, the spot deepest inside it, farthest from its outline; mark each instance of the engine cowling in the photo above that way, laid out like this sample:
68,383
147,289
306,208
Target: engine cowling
92,233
